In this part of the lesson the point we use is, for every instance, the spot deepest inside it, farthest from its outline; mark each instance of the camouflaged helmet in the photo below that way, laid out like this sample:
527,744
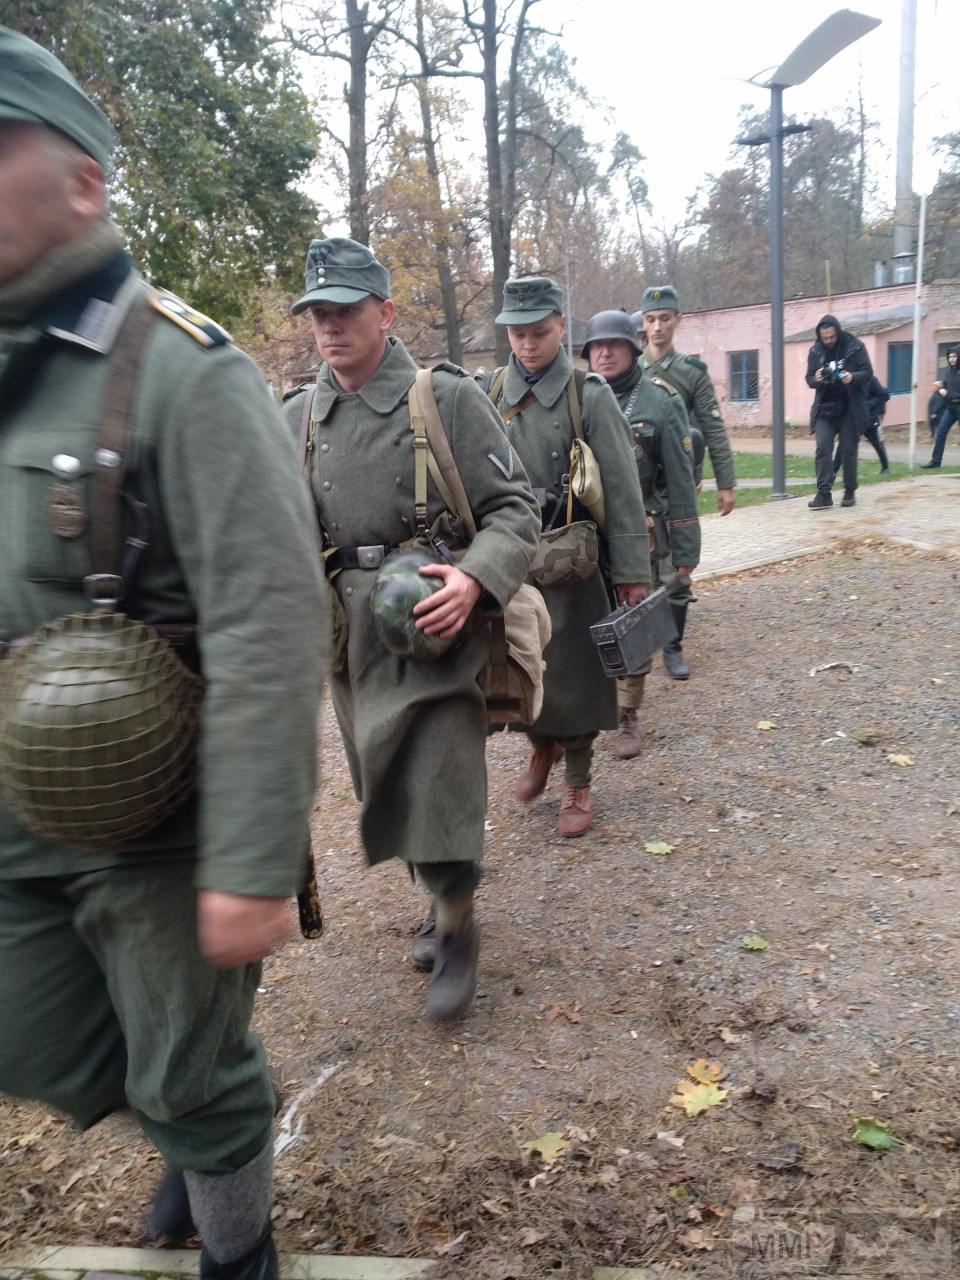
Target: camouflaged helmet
398,588
98,728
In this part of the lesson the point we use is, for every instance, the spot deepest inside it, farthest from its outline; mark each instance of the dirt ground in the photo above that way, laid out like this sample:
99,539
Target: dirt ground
608,969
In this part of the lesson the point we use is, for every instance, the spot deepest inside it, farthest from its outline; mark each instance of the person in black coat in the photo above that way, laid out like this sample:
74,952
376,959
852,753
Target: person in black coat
839,370
877,397
949,392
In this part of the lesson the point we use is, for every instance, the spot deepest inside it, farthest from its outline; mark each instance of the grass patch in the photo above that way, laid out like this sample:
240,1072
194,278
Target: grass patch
757,466
749,497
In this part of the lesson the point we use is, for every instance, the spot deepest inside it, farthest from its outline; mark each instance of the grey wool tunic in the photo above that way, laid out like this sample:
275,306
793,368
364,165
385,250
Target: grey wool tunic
578,698
414,732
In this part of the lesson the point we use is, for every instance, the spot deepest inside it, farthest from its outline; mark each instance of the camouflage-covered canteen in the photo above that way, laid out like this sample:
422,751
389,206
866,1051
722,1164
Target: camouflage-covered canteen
98,729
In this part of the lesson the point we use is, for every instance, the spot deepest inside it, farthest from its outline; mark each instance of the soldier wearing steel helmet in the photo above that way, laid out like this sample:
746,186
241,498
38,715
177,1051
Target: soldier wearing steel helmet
663,448
412,717
660,312
128,965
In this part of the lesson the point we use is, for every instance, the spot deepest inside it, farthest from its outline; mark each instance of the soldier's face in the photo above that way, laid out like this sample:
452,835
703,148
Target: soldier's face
611,357
352,338
660,327
47,195
535,345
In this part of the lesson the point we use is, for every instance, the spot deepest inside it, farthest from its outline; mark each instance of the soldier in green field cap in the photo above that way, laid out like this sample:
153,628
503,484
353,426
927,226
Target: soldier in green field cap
660,308
664,451
414,729
540,397
128,967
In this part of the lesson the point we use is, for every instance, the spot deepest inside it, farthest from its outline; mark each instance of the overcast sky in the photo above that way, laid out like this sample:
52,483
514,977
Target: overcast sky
673,73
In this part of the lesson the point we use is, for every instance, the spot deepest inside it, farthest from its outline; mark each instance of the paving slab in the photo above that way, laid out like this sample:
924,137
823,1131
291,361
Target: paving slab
922,511
94,1263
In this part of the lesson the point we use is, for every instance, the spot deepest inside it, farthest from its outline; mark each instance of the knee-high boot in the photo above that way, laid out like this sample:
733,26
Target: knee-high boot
673,653
232,1213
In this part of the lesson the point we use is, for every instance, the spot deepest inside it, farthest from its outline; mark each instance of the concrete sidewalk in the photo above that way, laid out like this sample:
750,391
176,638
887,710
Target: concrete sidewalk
920,512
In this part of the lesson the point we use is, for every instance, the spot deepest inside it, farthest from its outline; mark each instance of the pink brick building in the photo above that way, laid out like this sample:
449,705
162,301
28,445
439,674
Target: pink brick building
735,343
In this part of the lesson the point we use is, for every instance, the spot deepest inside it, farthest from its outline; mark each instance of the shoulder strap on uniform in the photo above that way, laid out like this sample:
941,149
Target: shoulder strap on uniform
108,544
307,428
435,453
493,382
575,400
664,374
663,385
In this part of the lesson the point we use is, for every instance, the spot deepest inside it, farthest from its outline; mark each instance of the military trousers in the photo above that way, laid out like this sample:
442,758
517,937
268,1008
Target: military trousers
577,756
448,879
106,1003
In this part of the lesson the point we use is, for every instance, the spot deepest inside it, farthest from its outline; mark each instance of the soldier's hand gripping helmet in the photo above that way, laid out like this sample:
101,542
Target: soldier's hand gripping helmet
398,588
98,728
609,325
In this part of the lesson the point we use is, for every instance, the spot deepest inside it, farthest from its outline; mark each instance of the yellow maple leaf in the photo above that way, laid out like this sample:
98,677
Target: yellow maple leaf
705,1072
695,1098
894,758
766,724
549,1146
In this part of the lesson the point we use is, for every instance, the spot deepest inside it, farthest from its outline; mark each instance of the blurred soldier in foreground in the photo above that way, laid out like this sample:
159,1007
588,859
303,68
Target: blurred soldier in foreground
411,712
144,475
548,411
664,453
660,311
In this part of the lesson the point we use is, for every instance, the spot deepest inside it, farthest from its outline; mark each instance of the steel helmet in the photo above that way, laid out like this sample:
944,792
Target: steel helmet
610,325
398,588
637,321
98,728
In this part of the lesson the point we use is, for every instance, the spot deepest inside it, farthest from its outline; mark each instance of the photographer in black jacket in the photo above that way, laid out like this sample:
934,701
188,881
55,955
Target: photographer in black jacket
948,393
839,370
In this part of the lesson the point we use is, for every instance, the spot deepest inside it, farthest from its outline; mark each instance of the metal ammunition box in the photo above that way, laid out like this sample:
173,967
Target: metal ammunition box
628,638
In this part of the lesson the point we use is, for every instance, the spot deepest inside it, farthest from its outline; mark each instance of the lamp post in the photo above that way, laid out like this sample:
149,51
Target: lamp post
825,42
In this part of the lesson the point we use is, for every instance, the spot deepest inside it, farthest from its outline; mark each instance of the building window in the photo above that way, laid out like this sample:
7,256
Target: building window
743,376
899,368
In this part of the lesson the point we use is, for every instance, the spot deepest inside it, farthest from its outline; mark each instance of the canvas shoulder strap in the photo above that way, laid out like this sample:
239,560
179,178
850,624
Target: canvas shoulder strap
108,542
435,454
307,428
575,400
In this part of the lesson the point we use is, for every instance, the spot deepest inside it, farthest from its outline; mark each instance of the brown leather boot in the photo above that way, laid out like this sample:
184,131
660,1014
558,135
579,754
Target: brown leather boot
626,742
576,811
532,781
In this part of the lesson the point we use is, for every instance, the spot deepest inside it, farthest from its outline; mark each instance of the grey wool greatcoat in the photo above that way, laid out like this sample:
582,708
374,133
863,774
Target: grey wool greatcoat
578,698
415,731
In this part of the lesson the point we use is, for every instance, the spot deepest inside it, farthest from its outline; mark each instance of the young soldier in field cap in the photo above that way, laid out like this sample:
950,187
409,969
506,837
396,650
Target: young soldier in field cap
414,729
663,449
128,965
537,395
688,375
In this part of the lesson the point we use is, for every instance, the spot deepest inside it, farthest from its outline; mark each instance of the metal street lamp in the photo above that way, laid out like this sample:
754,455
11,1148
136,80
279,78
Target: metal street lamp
825,42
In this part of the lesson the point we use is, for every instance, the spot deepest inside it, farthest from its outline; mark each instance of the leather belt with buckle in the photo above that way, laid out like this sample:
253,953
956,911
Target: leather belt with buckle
371,557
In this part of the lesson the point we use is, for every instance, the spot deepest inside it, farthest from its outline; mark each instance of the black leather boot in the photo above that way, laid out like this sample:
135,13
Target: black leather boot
168,1221
423,952
454,981
673,653
260,1263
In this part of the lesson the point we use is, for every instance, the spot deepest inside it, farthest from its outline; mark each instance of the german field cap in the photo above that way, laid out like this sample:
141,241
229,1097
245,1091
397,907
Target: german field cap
342,271
662,297
36,88
529,300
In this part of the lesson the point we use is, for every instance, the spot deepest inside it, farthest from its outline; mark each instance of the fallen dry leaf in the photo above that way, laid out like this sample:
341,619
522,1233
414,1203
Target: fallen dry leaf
530,1236
705,1072
608,1176
766,724
549,1147
658,847
670,1138
729,1037
896,758
562,1009
695,1098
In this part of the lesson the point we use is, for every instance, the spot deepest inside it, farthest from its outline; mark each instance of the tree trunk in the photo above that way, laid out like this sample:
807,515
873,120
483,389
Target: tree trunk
441,241
496,210
357,108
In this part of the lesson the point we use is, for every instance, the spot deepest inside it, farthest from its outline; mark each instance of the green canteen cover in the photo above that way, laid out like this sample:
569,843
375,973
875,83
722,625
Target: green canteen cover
98,729
398,588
